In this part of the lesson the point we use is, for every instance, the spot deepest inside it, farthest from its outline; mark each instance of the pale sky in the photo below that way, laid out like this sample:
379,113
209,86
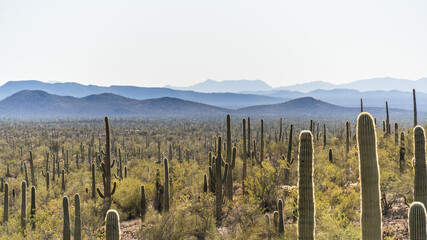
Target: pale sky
155,43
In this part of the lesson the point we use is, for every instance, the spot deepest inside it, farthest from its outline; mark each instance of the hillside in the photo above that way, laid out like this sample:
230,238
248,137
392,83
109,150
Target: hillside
225,100
41,104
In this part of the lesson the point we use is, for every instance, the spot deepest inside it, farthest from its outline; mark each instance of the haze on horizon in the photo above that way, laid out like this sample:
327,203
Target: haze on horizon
180,43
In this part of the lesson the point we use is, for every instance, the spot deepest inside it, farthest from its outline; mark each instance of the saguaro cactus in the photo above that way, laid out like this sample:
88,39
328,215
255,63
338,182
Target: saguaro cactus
106,166
281,223
229,180
249,137
33,207
331,155
417,221
261,153
324,136
77,218
66,230
112,225
205,184
369,177
387,119
143,204
93,181
6,203
415,108
305,186
244,158
402,151
33,177
396,133
63,180
219,180
23,206
420,184
166,184
347,136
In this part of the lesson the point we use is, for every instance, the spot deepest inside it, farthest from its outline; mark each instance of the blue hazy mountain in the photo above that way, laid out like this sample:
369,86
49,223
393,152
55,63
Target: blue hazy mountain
40,104
374,84
232,86
226,100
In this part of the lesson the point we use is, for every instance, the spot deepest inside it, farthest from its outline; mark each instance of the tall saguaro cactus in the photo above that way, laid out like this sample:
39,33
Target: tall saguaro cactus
347,136
387,122
261,153
244,158
417,221
106,166
23,206
281,223
369,177
143,204
33,208
6,203
166,185
229,179
420,184
112,225
415,108
219,182
66,230
33,177
77,218
305,185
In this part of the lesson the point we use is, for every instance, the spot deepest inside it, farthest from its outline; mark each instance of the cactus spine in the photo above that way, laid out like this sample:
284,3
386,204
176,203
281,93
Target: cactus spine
6,203
33,207
112,225
23,206
281,223
305,186
166,185
77,218
66,231
369,177
417,221
420,184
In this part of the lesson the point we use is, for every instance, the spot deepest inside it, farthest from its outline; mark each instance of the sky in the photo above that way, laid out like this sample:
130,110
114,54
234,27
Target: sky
180,43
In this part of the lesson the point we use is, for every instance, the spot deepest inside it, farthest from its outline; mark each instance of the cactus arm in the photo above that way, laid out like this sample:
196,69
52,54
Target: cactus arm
233,160
114,189
225,173
100,193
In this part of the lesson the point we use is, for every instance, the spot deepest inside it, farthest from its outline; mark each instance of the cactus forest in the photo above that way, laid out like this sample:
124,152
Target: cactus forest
229,177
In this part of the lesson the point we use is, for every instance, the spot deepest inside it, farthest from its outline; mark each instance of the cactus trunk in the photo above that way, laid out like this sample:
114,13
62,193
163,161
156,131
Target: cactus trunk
369,177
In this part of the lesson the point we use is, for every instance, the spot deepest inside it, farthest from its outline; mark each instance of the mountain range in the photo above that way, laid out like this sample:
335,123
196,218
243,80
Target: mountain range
40,104
374,84
225,100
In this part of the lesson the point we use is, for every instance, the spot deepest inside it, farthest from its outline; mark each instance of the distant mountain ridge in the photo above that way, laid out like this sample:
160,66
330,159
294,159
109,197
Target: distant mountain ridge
246,86
226,100
40,104
230,86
